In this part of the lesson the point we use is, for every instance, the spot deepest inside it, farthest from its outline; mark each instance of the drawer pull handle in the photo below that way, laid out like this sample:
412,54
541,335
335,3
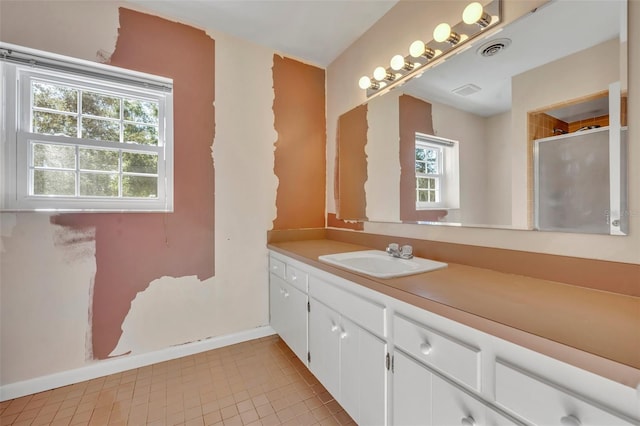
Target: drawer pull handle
286,294
343,335
468,421
334,328
425,348
293,277
570,420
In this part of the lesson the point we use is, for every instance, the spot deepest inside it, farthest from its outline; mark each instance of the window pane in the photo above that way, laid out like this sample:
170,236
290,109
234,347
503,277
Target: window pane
100,105
99,159
422,195
422,183
54,182
54,156
420,154
432,197
140,186
102,130
145,135
134,162
50,123
432,161
141,111
421,167
98,185
46,95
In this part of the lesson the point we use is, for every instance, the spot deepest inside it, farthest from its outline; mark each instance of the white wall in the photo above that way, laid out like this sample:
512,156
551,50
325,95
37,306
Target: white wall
46,285
393,33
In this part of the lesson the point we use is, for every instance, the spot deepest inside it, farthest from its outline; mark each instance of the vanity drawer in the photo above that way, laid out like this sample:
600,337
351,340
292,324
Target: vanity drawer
542,403
451,356
365,313
296,277
277,267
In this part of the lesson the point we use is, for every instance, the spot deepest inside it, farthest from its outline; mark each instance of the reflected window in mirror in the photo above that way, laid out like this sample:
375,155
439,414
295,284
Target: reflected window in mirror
437,172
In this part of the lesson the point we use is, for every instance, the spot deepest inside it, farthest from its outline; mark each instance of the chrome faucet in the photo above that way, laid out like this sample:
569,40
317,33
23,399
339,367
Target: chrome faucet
404,252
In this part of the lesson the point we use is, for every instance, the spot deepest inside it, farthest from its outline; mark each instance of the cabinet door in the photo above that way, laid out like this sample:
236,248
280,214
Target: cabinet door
362,374
452,406
288,307
324,340
411,392
278,317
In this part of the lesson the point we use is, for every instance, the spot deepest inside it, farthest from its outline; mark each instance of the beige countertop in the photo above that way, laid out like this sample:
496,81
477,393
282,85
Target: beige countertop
595,330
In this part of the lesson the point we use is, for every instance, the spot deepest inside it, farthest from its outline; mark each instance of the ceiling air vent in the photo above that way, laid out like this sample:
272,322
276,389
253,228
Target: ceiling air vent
466,90
493,47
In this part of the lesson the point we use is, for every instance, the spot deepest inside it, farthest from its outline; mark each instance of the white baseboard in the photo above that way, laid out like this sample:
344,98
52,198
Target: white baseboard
124,363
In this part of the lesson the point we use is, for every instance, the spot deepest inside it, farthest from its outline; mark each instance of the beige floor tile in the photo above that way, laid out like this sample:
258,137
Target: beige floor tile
254,383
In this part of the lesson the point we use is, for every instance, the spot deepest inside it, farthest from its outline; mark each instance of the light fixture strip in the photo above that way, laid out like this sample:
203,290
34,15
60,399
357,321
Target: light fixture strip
461,33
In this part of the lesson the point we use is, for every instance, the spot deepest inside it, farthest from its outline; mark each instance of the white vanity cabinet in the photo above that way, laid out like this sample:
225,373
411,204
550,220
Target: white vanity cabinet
346,358
389,362
288,305
544,403
453,406
429,370
411,391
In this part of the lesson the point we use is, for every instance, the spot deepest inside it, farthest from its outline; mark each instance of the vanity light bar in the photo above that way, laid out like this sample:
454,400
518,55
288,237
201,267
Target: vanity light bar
476,19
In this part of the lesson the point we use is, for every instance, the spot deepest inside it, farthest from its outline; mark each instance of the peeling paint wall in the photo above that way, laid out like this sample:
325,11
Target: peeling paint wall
132,250
299,110
50,313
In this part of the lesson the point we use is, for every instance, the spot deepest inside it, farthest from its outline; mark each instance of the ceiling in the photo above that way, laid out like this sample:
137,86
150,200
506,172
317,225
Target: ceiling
314,31
553,31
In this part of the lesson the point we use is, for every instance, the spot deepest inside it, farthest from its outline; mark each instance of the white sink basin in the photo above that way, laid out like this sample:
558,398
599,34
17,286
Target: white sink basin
379,264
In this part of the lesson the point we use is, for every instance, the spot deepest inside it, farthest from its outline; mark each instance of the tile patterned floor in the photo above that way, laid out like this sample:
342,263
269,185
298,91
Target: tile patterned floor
260,382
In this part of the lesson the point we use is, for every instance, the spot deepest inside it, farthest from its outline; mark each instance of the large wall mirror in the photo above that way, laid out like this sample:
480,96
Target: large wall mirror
525,129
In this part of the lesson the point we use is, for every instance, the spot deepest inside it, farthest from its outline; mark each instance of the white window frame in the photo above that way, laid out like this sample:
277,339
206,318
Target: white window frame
17,138
447,180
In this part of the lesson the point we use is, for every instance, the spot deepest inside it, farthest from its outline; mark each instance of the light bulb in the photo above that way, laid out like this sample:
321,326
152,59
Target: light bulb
397,62
474,14
417,48
364,82
380,73
442,32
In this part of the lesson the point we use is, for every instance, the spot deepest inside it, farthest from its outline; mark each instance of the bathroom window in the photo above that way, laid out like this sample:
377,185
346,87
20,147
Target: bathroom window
436,172
85,141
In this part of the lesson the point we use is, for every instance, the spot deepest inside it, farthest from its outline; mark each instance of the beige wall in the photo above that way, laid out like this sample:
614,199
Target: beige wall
498,138
406,22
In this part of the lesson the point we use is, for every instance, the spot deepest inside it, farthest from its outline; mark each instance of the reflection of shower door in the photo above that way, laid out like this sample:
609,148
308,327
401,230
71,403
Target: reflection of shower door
572,182
581,178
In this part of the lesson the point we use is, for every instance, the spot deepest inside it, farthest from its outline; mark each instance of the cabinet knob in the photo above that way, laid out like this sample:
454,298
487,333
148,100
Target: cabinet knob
281,290
343,335
425,348
293,277
468,421
286,294
570,420
334,328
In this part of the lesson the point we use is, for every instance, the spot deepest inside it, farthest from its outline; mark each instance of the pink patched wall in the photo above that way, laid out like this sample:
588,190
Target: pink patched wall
133,249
